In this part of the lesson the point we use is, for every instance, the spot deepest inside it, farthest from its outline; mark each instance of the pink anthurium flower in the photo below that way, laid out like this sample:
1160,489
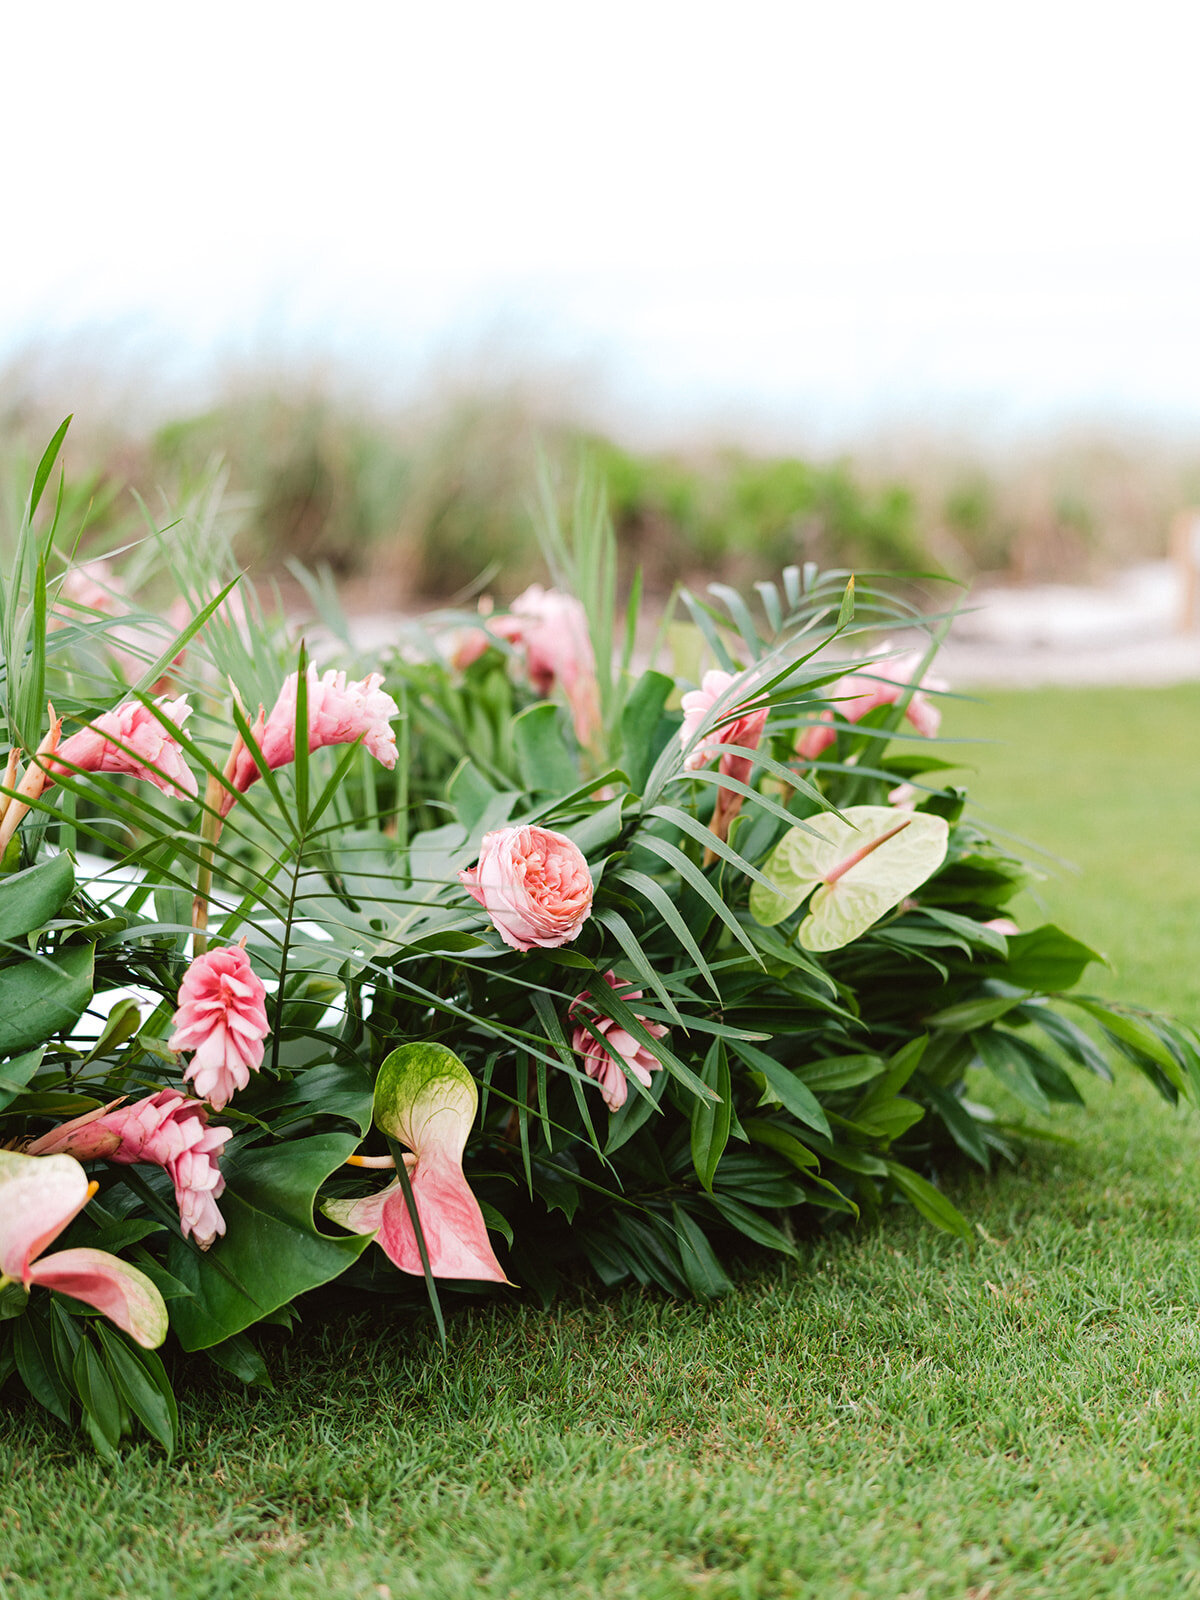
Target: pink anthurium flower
222,1017
39,1196
426,1099
339,712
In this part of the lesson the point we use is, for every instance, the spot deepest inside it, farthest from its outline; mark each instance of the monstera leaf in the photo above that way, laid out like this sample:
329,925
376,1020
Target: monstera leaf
271,1251
856,867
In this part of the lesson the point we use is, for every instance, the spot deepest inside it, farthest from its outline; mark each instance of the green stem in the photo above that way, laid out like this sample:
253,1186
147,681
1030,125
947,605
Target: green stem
210,831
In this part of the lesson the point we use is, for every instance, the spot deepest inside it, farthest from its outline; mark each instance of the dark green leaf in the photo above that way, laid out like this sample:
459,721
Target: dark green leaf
705,1276
792,1094
29,899
710,1119
930,1202
1047,959
544,763
271,1251
98,1396
142,1380
39,998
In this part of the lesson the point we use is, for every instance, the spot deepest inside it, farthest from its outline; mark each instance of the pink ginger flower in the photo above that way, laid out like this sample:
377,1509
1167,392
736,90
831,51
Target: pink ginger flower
339,712
93,586
857,693
745,729
164,1130
470,643
222,1017
131,740
599,1062
534,884
558,653
39,1196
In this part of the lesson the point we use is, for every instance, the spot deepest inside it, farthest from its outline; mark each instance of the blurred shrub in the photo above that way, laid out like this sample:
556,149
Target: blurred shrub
425,504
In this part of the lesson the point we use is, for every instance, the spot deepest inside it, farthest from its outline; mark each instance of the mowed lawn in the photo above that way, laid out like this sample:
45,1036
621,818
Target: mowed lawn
894,1417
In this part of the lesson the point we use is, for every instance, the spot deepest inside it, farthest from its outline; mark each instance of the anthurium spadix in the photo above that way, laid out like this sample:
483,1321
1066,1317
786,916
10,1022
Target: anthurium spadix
426,1100
39,1196
855,869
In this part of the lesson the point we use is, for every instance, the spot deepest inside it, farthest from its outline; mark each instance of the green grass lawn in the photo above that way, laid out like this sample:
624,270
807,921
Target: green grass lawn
894,1417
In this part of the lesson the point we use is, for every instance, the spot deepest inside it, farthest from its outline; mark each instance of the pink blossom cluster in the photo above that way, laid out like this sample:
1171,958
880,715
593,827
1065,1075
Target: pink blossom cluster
721,696
616,1055
164,1130
339,712
222,1017
132,740
882,684
549,629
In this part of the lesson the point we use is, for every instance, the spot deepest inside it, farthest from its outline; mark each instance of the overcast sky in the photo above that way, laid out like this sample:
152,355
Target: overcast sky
825,215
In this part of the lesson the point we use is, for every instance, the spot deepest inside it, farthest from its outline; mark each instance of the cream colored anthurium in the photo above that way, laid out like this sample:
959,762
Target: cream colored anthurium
426,1099
39,1195
855,869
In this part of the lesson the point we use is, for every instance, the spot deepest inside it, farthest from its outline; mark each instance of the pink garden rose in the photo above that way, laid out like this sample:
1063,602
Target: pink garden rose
165,1130
598,1062
222,1017
558,653
745,729
39,1196
534,884
132,740
339,712
857,693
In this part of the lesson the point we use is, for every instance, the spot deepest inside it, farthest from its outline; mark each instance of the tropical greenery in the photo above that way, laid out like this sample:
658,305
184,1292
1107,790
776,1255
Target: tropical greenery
750,1004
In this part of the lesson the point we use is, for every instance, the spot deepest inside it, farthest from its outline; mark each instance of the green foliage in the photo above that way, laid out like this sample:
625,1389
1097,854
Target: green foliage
797,1089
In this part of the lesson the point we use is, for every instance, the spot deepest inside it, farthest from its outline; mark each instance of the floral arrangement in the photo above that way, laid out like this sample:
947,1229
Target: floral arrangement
488,963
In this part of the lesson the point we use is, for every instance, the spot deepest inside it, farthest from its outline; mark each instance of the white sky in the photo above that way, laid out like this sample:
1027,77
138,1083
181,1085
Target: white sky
825,214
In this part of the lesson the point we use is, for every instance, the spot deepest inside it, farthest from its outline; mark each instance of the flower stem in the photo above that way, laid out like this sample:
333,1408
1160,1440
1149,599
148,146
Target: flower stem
210,831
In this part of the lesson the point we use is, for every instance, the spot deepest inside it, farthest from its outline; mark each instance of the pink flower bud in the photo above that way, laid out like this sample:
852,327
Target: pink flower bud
534,884
882,684
222,1017
558,652
132,740
598,1062
338,713
717,690
745,728
469,644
